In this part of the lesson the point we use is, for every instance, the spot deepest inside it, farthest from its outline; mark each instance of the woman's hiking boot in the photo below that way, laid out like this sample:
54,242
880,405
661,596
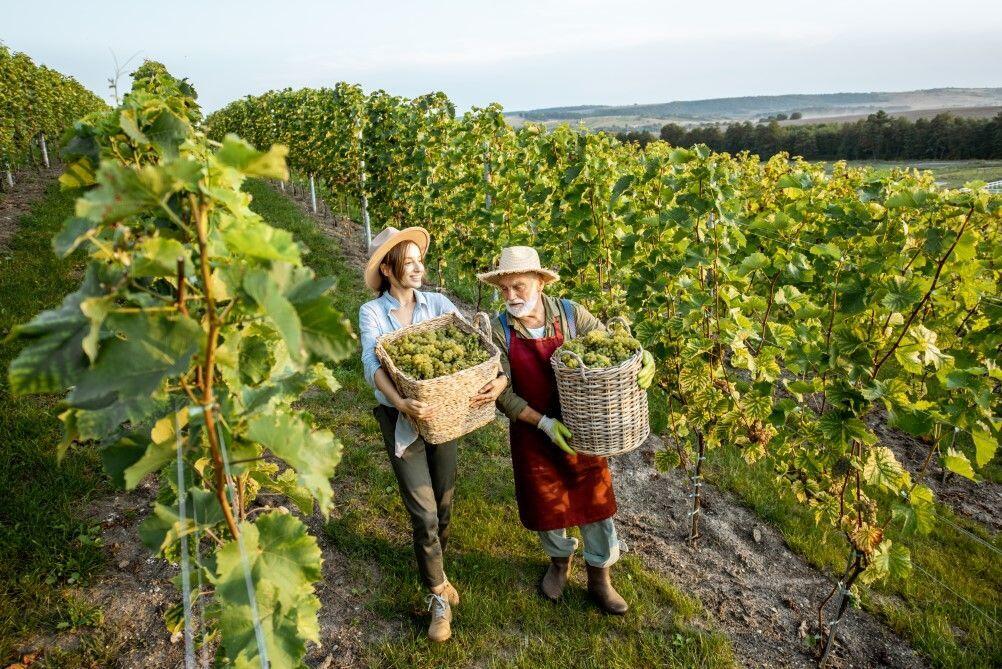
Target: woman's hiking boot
440,628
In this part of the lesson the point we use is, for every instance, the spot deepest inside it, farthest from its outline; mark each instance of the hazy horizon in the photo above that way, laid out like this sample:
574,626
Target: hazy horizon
755,95
525,55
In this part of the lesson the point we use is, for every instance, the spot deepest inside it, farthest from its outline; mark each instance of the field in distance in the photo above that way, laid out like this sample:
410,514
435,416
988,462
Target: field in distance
951,173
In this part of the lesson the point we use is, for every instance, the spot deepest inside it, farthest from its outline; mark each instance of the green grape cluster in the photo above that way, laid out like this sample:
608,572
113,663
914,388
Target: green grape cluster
600,348
434,353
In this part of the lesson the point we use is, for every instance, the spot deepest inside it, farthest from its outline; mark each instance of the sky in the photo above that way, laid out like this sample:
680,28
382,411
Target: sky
524,54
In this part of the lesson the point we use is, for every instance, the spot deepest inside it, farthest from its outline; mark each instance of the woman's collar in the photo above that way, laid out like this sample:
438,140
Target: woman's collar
419,298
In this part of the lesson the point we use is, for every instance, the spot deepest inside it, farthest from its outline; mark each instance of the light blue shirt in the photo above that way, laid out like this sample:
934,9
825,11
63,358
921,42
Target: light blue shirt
375,320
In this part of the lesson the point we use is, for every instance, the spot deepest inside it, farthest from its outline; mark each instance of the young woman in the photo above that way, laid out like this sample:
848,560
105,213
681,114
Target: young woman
426,473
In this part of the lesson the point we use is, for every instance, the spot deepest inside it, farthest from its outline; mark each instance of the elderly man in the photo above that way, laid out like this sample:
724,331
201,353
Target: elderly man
555,487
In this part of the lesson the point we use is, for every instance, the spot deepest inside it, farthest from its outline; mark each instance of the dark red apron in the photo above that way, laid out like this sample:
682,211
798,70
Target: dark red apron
554,490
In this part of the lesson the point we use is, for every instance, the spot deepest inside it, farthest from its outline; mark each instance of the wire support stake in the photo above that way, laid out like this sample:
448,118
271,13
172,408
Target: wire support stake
182,513
262,647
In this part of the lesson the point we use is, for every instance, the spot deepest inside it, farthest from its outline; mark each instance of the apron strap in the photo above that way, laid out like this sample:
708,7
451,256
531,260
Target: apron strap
572,326
503,318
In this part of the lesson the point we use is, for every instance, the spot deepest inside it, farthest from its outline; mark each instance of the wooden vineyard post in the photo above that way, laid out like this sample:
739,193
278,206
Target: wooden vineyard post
487,177
488,203
45,150
313,193
10,177
365,217
364,201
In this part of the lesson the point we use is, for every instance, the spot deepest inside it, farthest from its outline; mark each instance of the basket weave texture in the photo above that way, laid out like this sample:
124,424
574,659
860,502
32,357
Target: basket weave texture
450,394
604,408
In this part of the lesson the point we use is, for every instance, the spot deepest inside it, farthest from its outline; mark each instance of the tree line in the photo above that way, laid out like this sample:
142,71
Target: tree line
877,137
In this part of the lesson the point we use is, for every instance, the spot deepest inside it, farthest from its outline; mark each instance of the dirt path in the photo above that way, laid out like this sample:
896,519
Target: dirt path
762,594
29,186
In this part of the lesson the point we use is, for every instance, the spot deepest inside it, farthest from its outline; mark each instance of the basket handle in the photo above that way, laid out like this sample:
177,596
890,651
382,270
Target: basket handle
581,365
620,319
482,322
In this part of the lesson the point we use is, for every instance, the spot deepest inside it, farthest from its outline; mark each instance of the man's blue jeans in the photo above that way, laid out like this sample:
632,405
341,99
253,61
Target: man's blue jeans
601,545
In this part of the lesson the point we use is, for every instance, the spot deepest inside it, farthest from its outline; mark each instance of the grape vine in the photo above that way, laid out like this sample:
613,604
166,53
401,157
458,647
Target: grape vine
35,103
195,328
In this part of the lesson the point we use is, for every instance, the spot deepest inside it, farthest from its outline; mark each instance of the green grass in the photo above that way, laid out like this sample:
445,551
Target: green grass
45,543
953,173
938,623
494,562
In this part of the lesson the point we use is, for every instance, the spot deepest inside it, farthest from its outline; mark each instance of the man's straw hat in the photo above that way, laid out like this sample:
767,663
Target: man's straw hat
519,260
386,240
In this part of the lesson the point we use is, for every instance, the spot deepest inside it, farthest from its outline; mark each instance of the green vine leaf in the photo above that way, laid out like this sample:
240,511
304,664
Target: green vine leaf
958,463
314,454
890,559
144,349
284,561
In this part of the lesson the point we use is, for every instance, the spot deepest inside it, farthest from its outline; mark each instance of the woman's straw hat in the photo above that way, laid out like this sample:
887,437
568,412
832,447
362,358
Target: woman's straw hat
386,240
519,260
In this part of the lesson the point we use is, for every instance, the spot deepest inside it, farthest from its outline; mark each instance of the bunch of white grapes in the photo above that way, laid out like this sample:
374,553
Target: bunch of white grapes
600,348
433,353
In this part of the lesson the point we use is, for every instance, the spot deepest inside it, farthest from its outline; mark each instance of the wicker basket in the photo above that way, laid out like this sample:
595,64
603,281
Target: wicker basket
603,407
450,394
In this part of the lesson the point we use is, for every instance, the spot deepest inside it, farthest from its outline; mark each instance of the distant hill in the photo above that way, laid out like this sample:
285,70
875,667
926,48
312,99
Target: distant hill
814,108
911,115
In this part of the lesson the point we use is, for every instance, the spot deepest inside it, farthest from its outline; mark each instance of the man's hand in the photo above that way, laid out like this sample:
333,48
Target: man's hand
489,392
646,374
557,432
416,409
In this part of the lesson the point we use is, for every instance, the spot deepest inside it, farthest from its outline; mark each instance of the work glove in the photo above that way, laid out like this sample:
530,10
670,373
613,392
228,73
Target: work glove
646,374
557,432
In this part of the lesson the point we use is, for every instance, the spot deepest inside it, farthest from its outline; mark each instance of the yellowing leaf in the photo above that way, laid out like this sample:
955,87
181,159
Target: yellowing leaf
866,538
163,430
958,463
882,469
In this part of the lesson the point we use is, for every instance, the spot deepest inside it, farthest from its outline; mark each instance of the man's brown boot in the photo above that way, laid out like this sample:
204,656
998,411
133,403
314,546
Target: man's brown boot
555,578
601,591
440,628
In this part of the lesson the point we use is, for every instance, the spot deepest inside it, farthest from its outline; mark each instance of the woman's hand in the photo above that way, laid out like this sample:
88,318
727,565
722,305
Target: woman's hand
416,409
489,392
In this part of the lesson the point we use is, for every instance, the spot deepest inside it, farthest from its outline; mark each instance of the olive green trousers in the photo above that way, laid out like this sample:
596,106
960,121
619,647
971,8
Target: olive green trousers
426,477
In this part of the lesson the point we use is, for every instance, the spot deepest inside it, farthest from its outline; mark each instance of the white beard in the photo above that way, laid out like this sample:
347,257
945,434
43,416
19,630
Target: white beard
525,309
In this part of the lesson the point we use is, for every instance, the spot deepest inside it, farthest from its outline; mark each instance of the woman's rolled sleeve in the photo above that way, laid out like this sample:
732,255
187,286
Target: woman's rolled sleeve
445,306
368,326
